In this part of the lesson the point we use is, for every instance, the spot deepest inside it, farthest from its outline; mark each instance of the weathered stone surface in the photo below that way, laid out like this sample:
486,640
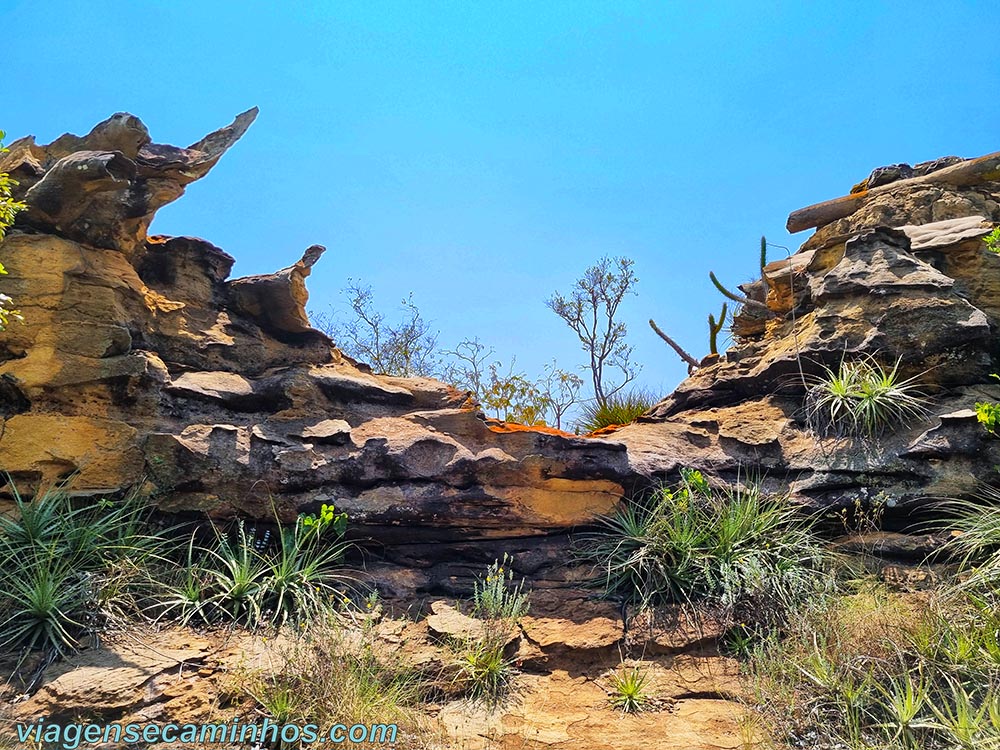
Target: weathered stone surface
139,357
447,622
103,189
925,294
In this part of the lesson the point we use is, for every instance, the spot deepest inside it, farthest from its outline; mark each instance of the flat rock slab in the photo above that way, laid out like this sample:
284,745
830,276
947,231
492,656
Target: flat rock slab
447,622
114,678
563,711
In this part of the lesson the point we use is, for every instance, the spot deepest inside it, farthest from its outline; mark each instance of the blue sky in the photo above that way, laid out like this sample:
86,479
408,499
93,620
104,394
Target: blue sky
482,155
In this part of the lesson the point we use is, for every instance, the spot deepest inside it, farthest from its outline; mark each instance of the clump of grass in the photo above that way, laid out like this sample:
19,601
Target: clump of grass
628,690
71,568
869,668
748,553
338,671
232,580
862,398
619,409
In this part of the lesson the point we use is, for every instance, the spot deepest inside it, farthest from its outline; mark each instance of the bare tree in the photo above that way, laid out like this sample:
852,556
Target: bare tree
406,349
560,390
468,368
590,311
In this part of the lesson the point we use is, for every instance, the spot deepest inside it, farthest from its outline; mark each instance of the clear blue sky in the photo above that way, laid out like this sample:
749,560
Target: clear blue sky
482,154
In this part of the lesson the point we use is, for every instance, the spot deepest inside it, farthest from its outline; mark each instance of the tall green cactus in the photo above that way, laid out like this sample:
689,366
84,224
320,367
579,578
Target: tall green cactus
763,252
715,328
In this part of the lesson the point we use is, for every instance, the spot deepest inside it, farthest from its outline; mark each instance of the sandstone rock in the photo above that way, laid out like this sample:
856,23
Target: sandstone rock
219,390
110,681
885,175
139,356
278,300
447,622
892,545
103,189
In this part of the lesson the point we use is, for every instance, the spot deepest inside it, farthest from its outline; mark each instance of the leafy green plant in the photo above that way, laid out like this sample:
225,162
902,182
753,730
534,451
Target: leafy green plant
496,596
988,415
749,553
619,409
628,690
9,209
992,241
862,398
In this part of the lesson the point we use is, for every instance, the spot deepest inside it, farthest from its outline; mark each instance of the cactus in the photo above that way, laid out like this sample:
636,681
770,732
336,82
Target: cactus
692,363
745,301
714,329
763,252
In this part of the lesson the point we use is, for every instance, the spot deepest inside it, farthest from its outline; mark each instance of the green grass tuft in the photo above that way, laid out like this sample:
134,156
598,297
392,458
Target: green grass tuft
621,408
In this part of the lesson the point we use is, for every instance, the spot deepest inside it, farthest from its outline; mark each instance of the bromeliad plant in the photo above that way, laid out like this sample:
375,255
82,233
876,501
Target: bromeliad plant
628,690
748,553
232,580
69,568
862,398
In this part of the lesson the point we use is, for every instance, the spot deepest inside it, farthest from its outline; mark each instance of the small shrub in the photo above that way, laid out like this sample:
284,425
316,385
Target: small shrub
497,597
749,553
628,690
992,241
861,398
619,409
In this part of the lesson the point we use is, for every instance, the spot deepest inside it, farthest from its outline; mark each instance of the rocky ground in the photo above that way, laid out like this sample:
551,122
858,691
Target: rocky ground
567,648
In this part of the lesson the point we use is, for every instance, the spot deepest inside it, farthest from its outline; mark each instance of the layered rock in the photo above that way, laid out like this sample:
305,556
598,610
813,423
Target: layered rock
899,271
141,358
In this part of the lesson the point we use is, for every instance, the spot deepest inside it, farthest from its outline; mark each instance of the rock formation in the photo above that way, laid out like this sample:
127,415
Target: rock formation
140,358
899,271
